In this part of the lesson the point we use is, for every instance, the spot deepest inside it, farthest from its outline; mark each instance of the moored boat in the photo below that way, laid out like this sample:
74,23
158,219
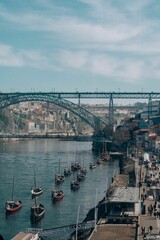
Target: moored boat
92,165
37,211
59,178
57,195
36,191
105,154
83,170
12,205
80,176
67,172
99,161
106,157
75,185
75,166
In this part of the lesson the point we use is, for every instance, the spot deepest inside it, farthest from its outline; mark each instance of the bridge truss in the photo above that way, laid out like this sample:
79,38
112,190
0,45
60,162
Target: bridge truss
60,98
94,121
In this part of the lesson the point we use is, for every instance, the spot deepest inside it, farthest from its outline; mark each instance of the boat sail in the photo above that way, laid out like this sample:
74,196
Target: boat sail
12,205
36,191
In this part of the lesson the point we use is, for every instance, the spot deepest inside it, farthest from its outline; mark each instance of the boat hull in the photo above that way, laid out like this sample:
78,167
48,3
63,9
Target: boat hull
59,179
75,185
57,195
36,192
13,206
37,212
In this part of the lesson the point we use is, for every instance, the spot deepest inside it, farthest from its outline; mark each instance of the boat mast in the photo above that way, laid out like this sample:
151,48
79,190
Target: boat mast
34,178
59,166
13,187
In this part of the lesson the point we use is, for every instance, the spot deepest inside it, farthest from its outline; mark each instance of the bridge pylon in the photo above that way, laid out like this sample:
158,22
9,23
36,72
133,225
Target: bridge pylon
149,107
111,110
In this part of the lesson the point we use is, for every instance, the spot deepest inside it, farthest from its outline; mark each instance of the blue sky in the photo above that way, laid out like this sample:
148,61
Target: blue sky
82,45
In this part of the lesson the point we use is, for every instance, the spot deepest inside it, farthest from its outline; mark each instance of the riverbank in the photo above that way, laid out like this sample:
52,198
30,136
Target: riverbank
21,137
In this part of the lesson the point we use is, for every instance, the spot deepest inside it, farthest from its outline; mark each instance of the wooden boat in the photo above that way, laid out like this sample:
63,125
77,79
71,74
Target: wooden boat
37,211
67,171
80,176
36,191
83,169
57,195
99,161
75,166
75,185
59,178
11,205
105,155
92,165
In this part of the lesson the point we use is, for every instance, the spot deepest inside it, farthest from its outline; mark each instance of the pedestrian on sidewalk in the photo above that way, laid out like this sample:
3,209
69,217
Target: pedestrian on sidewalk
150,229
143,230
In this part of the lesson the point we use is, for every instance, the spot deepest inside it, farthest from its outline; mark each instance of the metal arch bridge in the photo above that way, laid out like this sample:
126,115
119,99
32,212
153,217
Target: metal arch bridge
86,116
58,98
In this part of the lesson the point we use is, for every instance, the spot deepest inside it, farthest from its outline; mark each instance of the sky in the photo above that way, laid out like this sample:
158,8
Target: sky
79,45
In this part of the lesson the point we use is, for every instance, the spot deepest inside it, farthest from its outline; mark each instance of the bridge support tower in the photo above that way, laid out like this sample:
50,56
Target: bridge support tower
111,110
149,108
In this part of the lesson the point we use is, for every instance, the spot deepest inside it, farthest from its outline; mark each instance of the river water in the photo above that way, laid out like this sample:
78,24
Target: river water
20,159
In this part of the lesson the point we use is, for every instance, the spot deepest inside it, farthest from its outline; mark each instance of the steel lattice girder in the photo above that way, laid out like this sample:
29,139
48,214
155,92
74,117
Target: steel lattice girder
90,95
85,115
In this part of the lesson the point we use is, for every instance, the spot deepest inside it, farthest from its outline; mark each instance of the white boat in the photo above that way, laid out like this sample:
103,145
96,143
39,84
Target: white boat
36,191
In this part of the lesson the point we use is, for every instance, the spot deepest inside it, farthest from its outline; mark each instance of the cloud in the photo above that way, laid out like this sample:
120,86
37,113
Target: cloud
77,60
116,40
121,69
11,57
67,26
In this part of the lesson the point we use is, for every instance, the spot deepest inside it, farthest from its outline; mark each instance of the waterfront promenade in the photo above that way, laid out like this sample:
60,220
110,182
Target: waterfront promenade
148,217
149,196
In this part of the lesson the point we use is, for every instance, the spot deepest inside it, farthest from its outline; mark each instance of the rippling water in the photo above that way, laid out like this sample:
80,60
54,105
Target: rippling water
20,158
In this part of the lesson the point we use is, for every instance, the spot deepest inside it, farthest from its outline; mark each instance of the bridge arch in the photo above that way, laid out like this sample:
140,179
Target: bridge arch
84,114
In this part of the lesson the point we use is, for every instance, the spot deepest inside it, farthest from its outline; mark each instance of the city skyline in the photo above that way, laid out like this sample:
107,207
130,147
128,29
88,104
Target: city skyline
79,45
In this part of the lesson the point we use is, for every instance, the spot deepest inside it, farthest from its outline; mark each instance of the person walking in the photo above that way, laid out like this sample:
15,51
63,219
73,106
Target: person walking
143,230
150,229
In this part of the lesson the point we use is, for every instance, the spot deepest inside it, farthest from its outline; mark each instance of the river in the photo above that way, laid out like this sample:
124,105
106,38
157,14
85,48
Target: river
20,159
